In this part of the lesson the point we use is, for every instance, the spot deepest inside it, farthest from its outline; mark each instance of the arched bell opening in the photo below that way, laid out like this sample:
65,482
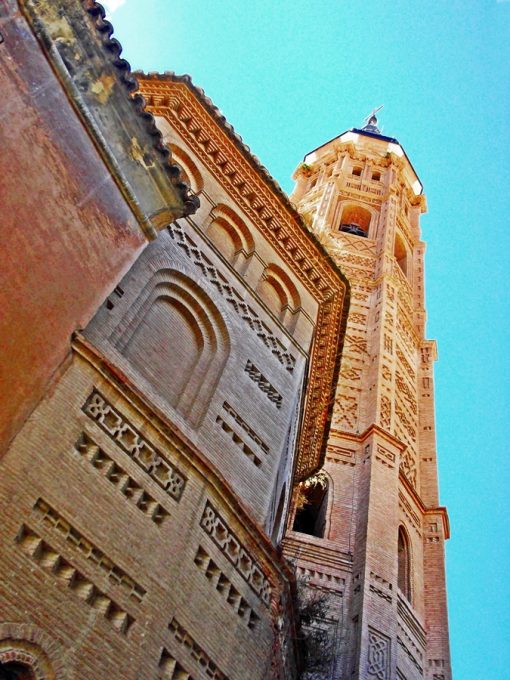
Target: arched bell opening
355,220
312,505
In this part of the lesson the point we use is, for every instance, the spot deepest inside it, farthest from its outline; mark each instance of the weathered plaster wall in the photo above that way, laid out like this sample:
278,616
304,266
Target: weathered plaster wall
67,234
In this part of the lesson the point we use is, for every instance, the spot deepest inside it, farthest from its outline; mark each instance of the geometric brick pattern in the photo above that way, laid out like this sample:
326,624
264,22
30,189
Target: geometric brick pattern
232,296
263,384
134,444
106,467
231,547
52,519
43,554
225,588
196,652
233,413
379,651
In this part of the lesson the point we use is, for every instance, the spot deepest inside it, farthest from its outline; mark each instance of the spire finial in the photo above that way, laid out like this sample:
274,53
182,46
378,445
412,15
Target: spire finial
371,121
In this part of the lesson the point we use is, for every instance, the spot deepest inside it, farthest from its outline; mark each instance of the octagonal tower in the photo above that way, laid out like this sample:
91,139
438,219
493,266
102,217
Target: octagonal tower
369,532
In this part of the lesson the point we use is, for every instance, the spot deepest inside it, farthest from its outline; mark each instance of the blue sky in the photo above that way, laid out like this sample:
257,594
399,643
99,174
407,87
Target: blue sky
292,74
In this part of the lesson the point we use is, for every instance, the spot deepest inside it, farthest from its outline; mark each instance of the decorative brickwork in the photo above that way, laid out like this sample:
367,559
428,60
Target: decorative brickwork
263,384
238,441
231,547
127,486
379,652
195,650
52,519
380,460
44,555
170,669
225,588
135,445
196,120
242,423
248,315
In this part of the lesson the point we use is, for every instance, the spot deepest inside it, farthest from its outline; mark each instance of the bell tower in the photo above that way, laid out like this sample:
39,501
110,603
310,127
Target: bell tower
368,531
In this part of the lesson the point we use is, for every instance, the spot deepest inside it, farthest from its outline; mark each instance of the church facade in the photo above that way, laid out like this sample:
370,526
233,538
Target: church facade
218,402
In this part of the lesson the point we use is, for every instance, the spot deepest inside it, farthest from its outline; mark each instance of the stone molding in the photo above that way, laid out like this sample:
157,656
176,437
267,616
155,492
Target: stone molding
77,40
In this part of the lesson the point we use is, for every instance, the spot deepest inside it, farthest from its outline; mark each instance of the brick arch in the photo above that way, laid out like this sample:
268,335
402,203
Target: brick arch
401,253
176,339
330,500
30,646
313,518
280,294
191,173
230,233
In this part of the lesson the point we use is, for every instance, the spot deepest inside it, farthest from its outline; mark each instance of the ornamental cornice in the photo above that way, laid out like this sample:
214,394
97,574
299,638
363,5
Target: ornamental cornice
374,158
213,140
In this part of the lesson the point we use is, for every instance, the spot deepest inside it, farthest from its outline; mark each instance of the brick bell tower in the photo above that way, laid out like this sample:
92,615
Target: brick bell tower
370,533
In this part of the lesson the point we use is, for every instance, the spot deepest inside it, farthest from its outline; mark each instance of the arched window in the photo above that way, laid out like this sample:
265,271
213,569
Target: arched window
312,505
355,220
21,658
356,171
14,670
400,253
404,563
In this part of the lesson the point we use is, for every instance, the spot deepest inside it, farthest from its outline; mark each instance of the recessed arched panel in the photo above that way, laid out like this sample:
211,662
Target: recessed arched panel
280,294
404,563
167,346
191,174
225,237
176,339
273,295
229,233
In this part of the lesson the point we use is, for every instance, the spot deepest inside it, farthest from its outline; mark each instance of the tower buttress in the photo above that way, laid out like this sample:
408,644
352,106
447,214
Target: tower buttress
380,538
